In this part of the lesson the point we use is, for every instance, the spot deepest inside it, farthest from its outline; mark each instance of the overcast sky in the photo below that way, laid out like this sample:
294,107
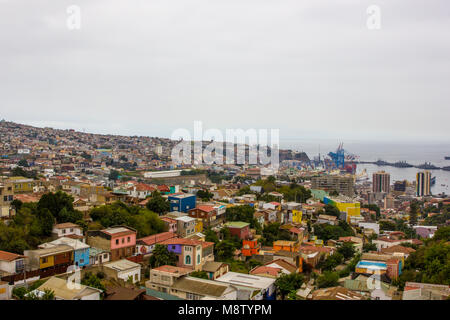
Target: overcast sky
309,68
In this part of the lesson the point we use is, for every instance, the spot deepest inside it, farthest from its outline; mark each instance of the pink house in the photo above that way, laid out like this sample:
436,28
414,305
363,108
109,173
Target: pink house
119,240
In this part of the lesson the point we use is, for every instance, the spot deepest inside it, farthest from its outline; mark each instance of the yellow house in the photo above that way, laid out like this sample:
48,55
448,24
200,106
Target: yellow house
297,216
199,225
22,184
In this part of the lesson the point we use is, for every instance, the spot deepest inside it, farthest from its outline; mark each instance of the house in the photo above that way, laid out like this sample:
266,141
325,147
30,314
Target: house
425,291
271,206
406,251
162,278
55,256
120,241
263,271
80,249
98,256
239,229
11,263
191,288
190,252
285,245
147,244
260,217
123,269
324,218
186,226
182,202
250,247
64,291
208,215
68,229
175,281
215,269
284,266
170,223
247,284
376,289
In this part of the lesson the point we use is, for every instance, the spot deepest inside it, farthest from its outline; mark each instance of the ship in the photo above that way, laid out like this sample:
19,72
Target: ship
363,176
433,181
402,164
427,166
447,157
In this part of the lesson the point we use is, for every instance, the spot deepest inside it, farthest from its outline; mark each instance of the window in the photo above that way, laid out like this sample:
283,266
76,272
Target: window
173,247
198,259
117,241
188,260
5,198
71,229
105,256
63,231
128,239
44,260
123,240
136,277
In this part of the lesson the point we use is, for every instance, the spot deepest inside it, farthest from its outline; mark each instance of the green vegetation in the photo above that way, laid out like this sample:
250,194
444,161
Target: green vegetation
93,281
243,213
331,262
287,283
272,232
373,207
326,231
205,195
429,263
144,221
161,257
158,204
328,279
347,249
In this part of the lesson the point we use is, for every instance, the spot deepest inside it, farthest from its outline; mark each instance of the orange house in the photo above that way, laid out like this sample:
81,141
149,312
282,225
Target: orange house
250,247
284,245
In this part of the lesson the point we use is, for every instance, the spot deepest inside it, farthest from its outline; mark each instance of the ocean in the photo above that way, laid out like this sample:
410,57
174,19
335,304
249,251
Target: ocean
413,153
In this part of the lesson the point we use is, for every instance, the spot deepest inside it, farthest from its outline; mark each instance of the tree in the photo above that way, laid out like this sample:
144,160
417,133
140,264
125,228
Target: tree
225,250
287,283
56,202
369,247
332,210
158,204
93,281
205,195
161,257
113,175
442,234
413,210
331,261
328,279
347,249
23,163
211,236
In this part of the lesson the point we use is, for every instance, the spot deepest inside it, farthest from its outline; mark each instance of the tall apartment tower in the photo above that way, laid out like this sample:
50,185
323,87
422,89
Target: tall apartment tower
423,183
381,182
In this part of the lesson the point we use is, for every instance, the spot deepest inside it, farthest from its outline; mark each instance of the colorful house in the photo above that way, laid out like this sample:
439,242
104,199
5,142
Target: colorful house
285,245
352,209
239,229
182,202
80,249
188,251
119,240
250,248
54,256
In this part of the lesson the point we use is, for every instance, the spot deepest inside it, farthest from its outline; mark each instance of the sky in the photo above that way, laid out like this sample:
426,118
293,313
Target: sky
312,68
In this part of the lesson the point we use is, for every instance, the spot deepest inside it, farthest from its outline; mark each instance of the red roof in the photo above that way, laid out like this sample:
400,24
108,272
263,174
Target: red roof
163,188
265,270
9,256
157,238
205,208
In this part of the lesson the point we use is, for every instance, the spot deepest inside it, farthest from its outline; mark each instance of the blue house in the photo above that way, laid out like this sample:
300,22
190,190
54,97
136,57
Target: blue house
80,249
182,202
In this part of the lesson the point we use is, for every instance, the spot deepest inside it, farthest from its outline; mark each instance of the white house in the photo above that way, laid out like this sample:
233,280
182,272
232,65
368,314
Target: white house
11,263
125,269
68,229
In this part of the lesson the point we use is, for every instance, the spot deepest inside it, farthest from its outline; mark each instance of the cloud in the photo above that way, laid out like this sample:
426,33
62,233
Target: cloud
310,68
